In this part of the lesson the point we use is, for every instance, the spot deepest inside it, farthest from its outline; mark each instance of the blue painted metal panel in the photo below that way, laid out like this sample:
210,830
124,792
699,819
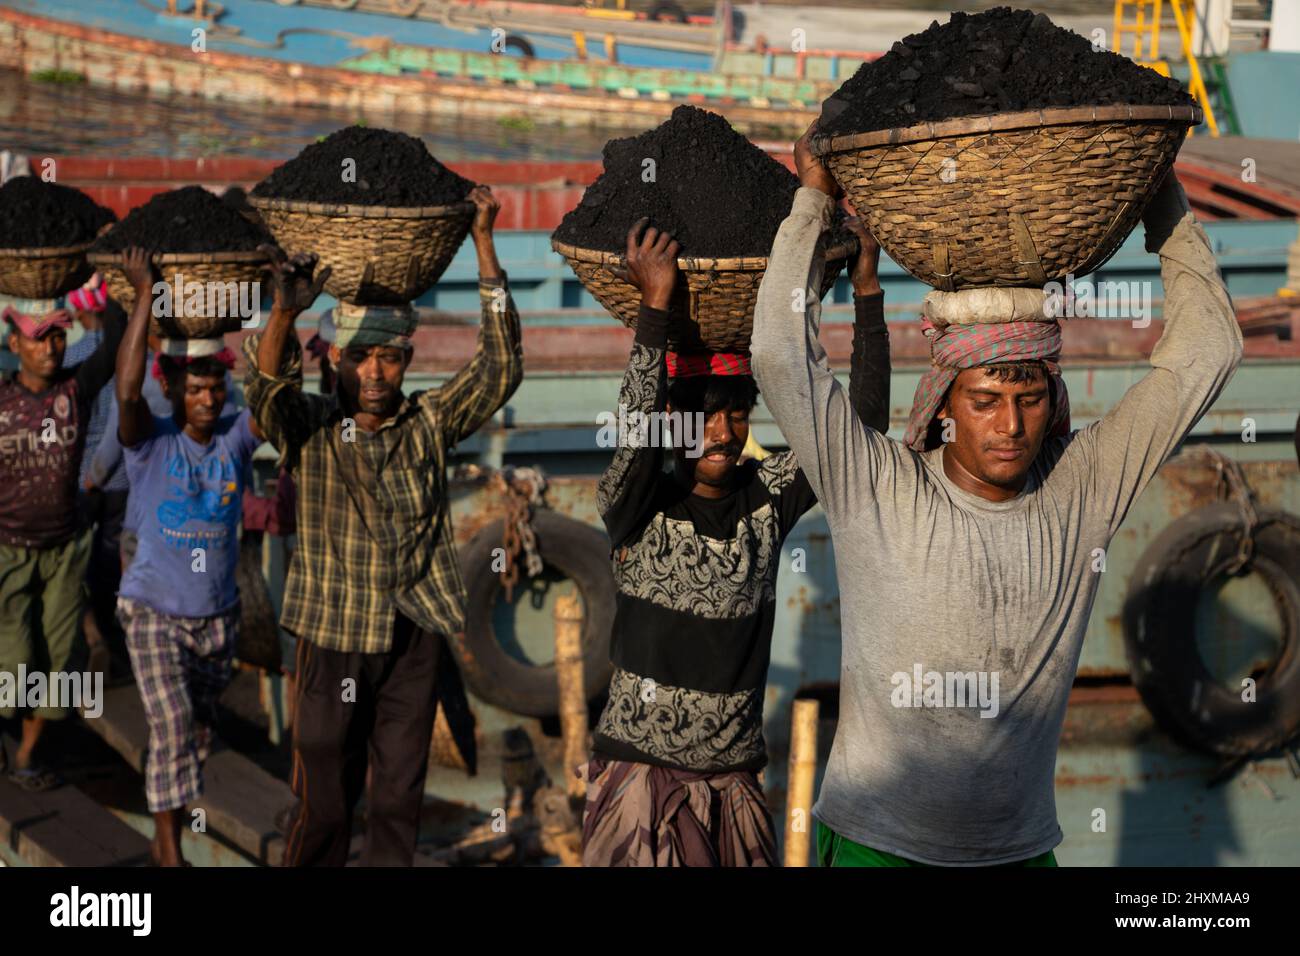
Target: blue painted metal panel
1263,85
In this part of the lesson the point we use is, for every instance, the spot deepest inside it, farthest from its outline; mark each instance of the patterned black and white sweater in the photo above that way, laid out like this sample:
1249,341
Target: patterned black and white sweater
696,576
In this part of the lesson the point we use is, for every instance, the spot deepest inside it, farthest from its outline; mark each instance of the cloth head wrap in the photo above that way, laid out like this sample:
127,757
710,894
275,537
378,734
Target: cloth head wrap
185,351
691,364
960,347
369,325
36,318
88,299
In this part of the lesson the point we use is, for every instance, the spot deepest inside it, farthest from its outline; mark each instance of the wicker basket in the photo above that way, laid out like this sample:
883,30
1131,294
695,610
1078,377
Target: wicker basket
380,255
720,298
1012,199
217,267
43,273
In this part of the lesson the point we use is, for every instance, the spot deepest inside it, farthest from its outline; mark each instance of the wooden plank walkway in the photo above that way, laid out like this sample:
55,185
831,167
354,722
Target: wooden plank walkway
241,799
65,827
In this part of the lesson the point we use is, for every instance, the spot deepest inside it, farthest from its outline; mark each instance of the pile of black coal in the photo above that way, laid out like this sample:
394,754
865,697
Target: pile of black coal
189,220
992,62
362,166
694,176
35,214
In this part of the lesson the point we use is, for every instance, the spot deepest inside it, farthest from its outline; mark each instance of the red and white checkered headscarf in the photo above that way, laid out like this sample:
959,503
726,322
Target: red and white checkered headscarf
691,364
958,347
36,318
88,298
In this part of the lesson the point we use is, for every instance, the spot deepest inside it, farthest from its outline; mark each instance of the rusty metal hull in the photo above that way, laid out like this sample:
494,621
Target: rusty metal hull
1128,796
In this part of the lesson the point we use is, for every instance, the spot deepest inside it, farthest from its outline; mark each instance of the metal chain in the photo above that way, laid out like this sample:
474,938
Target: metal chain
523,489
1233,486
510,544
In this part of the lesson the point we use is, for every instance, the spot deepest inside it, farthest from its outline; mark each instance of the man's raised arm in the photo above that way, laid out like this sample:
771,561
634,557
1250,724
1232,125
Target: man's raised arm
281,412
467,400
869,368
1193,361
135,422
811,408
627,487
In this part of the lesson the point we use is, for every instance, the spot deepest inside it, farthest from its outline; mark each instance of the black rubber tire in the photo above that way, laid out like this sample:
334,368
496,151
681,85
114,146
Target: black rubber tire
578,551
668,11
524,48
258,641
406,8
1160,632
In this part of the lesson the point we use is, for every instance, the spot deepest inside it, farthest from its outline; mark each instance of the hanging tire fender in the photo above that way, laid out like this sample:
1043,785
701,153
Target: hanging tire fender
578,551
1186,699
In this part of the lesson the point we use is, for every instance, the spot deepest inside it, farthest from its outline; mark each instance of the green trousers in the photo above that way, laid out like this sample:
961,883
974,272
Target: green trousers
836,850
41,595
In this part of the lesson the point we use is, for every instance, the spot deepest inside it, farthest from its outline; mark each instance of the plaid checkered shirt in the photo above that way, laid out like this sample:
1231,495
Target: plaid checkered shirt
385,543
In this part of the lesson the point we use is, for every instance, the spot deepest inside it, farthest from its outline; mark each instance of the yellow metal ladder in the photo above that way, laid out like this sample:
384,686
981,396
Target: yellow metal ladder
1144,25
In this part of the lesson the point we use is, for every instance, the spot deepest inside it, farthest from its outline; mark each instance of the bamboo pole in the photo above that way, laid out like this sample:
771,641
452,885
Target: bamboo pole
799,784
573,699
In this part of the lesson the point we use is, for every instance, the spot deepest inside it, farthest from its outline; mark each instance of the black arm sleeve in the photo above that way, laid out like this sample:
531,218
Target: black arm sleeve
96,372
869,370
627,488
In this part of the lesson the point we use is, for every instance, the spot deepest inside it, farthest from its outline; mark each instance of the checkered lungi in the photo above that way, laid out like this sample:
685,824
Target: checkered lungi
181,664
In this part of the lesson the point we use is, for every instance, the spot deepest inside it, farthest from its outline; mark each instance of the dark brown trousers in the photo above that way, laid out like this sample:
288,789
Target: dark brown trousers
383,717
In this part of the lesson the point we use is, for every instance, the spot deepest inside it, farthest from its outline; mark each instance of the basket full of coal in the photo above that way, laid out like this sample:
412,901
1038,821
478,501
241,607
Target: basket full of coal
45,230
207,256
375,206
719,195
998,149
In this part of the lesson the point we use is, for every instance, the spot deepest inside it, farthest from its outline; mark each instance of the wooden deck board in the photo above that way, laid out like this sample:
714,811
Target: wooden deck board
241,799
65,827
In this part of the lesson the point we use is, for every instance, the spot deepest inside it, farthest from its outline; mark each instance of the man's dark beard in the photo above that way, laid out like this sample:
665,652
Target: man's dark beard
722,482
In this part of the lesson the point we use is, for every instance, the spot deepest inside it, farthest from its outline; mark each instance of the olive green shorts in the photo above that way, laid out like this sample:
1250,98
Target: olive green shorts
41,597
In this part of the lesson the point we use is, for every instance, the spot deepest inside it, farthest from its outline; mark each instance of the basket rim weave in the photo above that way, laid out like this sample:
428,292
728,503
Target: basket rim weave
693,263
1002,122
46,252
183,258
360,212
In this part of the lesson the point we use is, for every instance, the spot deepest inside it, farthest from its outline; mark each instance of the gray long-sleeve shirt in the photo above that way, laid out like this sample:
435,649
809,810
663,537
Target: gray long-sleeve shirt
937,580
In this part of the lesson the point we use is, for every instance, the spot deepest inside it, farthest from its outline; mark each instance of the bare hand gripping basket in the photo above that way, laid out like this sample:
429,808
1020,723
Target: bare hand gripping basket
714,311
